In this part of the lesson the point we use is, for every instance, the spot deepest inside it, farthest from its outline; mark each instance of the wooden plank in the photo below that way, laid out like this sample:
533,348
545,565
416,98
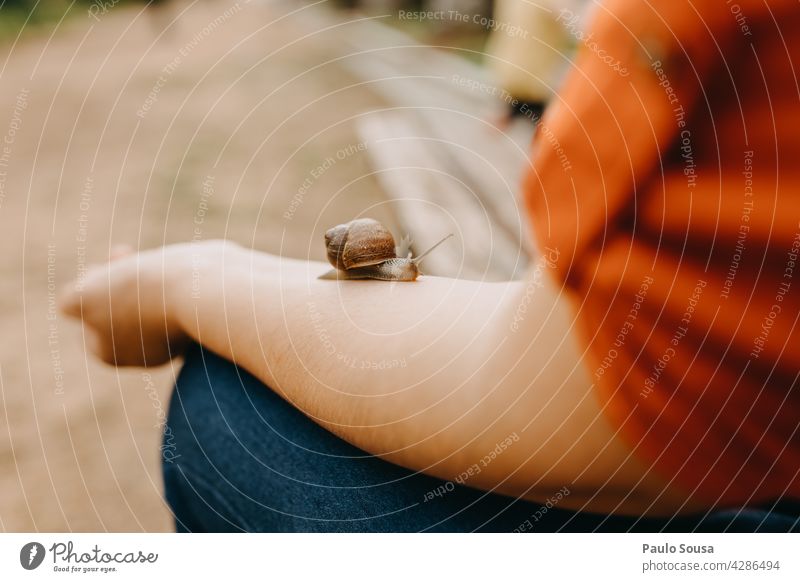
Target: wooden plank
491,164
431,202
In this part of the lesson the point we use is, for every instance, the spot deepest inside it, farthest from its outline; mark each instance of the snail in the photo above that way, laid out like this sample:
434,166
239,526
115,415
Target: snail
365,249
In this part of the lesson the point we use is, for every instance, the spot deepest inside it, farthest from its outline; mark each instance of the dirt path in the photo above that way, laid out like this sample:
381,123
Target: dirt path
112,135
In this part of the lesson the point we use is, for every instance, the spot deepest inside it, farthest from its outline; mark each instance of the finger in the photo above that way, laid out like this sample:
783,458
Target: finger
69,302
93,344
100,346
120,251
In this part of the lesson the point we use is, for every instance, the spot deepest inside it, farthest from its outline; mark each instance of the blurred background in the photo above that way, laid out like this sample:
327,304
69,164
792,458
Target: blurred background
261,121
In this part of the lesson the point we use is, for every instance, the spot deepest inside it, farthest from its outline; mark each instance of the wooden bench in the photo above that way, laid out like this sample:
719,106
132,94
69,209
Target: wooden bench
440,161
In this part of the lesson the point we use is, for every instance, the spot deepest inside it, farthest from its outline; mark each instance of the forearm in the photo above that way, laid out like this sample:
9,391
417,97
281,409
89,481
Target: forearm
399,369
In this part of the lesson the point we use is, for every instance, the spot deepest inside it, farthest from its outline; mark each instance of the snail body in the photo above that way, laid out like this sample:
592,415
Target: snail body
390,270
365,249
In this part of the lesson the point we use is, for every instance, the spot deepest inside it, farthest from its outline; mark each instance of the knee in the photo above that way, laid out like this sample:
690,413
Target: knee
203,408
199,451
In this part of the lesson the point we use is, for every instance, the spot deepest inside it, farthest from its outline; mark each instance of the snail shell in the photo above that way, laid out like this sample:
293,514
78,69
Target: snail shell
365,249
359,243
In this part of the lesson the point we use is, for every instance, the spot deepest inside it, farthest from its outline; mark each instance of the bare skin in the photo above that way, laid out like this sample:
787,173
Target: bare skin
430,375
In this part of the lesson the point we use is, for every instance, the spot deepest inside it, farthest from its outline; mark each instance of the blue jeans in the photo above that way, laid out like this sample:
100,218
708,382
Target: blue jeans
236,457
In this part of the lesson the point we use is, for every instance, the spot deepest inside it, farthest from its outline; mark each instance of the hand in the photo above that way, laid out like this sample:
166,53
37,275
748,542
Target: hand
129,305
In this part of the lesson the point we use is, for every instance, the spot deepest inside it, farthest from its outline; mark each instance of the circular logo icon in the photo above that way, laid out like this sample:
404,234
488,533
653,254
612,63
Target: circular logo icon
31,555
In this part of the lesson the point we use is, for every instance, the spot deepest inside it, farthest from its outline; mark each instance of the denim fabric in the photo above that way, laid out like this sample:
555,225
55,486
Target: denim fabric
239,458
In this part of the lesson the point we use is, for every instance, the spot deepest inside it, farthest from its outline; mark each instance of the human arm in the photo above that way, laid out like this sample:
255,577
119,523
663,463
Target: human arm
452,378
